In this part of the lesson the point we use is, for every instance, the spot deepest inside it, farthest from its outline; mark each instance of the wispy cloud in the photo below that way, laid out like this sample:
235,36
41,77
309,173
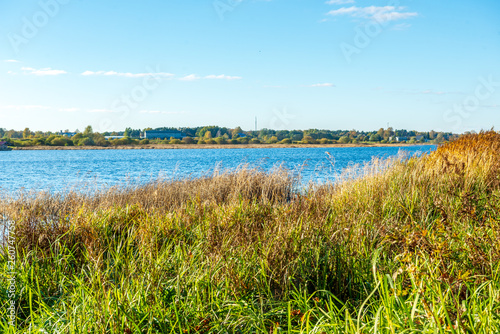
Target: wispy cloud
222,77
69,109
195,77
339,2
191,77
127,74
326,84
42,71
11,61
377,13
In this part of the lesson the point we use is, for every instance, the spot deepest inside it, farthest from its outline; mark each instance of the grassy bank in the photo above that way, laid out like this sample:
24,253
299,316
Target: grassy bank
413,245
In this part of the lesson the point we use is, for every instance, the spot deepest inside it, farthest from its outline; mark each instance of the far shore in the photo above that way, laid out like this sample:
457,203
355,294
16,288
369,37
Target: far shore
208,146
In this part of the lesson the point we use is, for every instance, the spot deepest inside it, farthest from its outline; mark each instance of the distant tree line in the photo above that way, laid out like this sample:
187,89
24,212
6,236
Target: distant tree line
221,135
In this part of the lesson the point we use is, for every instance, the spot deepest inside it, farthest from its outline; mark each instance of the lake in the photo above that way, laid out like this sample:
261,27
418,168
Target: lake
60,170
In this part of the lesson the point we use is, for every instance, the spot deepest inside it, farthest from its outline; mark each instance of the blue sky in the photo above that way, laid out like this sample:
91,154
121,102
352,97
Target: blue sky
293,64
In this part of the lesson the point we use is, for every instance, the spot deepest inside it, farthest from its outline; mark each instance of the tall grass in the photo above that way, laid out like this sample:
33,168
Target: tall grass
413,245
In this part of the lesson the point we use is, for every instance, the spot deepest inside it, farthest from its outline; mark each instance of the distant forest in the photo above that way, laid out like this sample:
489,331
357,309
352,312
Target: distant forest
220,135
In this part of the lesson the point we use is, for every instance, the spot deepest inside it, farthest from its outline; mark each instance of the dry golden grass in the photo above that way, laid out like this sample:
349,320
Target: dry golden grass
396,201
257,236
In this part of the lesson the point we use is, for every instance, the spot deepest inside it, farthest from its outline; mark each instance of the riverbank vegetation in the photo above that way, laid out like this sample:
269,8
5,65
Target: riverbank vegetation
214,135
413,245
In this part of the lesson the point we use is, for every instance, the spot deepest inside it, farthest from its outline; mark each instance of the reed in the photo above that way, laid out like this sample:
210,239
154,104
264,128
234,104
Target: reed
413,244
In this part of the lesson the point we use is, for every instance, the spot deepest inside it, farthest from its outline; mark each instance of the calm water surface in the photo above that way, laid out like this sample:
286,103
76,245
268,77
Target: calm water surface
80,169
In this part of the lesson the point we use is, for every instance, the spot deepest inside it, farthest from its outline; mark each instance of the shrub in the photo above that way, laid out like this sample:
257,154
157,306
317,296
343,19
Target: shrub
85,141
220,141
286,141
60,141
344,140
101,141
121,141
188,140
38,141
308,140
254,141
272,140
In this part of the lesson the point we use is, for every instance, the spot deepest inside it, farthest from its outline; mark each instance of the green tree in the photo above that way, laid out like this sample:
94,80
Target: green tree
243,140
344,140
220,140
88,131
236,132
308,140
86,142
26,133
388,133
272,140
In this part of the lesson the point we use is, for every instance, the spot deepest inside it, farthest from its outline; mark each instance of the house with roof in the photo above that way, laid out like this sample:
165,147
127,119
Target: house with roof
67,134
163,135
421,138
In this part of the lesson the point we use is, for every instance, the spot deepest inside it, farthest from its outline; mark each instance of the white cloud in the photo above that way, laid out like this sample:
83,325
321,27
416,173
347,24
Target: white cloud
191,77
42,72
127,75
69,109
326,84
11,61
380,14
222,77
338,2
